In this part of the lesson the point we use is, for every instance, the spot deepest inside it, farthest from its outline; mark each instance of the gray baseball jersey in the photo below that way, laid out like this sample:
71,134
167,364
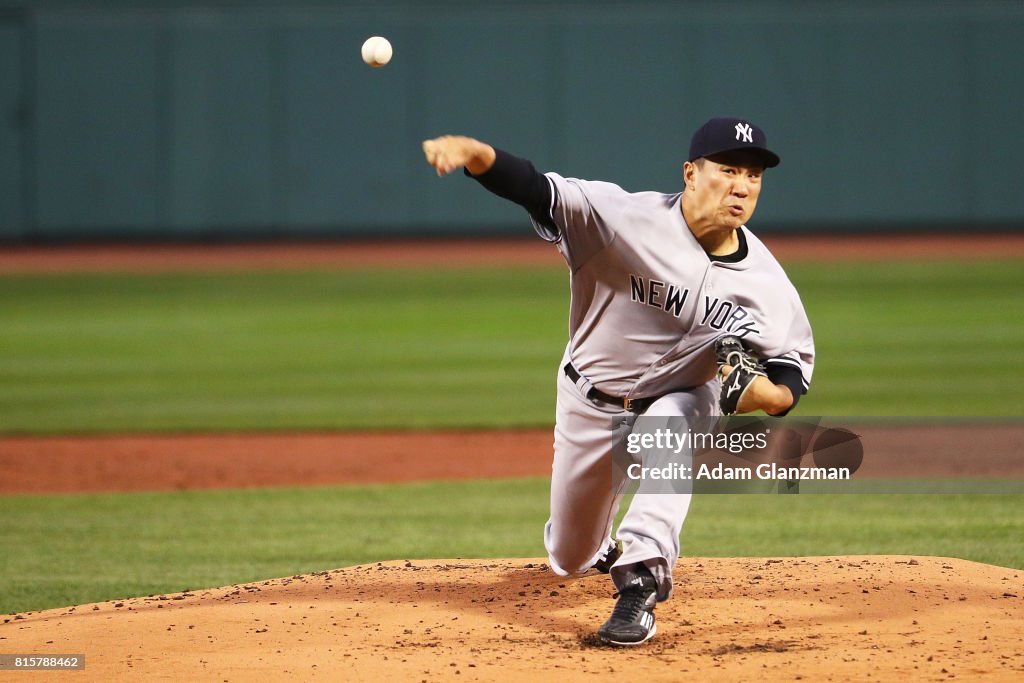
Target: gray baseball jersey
647,300
647,305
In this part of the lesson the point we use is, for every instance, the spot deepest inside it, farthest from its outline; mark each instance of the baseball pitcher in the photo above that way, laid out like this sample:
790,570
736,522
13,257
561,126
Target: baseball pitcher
677,309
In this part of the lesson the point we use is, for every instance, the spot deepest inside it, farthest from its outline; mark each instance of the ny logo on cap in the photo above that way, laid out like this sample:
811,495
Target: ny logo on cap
744,133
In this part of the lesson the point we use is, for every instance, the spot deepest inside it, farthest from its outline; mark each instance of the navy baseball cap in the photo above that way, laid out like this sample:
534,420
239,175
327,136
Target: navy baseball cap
729,135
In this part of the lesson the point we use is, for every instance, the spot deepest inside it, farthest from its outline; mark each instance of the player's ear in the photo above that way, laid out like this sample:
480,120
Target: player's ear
689,171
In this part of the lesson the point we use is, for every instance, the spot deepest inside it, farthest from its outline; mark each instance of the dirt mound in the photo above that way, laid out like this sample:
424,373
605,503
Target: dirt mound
832,618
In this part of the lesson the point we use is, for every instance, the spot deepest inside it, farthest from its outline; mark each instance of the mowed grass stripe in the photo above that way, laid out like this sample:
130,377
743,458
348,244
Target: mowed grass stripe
333,350
435,348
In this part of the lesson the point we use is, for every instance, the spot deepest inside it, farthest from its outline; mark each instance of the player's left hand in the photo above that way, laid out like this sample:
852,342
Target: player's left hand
737,371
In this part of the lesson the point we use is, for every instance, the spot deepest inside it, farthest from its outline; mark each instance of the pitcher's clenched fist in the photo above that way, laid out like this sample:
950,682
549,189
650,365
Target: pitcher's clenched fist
450,152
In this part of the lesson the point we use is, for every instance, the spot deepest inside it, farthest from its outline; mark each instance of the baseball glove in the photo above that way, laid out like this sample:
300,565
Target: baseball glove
729,350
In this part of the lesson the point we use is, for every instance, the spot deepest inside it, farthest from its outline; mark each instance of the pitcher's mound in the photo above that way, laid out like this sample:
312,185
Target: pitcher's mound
829,618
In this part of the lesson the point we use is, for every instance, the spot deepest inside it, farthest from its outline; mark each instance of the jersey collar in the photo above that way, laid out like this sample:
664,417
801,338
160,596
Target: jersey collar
739,254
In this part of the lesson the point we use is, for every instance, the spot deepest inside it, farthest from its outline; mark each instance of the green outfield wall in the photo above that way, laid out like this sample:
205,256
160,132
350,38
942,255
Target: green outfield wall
233,120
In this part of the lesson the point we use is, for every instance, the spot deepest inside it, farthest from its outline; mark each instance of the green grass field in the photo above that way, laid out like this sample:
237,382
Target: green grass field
463,348
432,348
337,350
63,550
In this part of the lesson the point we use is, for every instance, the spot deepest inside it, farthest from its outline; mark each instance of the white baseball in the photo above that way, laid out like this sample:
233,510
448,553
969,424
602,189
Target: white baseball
376,51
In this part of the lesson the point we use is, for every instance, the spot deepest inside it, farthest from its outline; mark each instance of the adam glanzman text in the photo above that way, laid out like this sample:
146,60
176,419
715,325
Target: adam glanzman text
721,472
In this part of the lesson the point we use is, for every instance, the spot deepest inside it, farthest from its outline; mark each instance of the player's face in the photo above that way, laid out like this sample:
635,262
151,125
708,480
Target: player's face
725,192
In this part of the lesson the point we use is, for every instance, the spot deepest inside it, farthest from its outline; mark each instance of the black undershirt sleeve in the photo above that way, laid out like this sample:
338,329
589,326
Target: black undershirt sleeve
788,376
517,180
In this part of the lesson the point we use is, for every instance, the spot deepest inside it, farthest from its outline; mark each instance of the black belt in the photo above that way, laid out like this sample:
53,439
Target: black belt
635,405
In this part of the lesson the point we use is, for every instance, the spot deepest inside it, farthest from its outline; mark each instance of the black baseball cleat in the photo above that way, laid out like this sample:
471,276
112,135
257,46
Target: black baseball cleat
632,620
614,551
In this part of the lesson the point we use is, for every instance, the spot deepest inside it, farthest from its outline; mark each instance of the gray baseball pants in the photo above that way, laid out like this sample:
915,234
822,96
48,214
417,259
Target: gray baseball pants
583,502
